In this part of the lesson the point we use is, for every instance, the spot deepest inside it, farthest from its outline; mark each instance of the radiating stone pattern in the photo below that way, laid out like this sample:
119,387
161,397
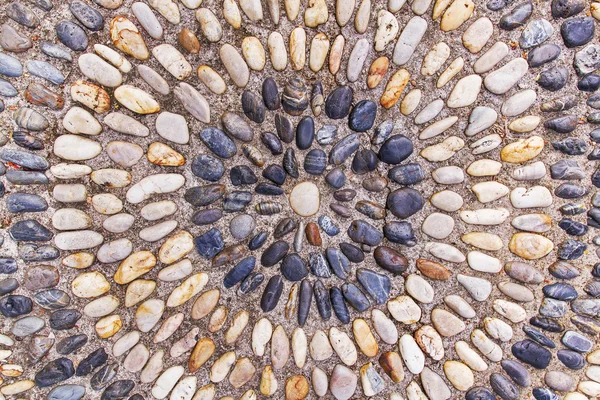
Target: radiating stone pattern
247,200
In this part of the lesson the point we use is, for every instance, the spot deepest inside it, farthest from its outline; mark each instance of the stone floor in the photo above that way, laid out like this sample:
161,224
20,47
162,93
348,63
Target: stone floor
285,199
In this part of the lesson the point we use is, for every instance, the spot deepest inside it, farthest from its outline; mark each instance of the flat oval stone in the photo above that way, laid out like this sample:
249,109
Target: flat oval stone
338,102
71,35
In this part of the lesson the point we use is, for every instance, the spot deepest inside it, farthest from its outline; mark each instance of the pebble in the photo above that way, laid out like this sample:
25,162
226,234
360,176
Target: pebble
504,78
343,382
409,39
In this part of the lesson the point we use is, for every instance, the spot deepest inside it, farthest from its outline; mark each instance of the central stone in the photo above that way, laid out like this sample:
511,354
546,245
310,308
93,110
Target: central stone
304,199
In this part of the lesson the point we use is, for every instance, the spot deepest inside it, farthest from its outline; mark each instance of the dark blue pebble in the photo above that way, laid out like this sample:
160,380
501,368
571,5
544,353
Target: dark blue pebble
284,128
25,159
315,162
571,191
592,288
480,392
339,306
400,232
572,209
272,142
268,189
517,372
566,170
343,149
54,372
573,228
61,320
538,336
283,227
594,101
376,285
362,116
594,155
322,300
7,89
52,299
103,376
503,387
8,285
136,397
338,262
67,392
118,390
328,226
554,78
251,283
543,54
318,265
239,272
242,175
200,196
594,218
408,174
275,173
13,306
595,135
566,8
589,83
590,307
94,360
218,142
290,164
274,253
236,200
362,232
364,161
577,342
22,15
326,134
341,210
353,253
207,216
532,353
577,31
253,107
8,265
516,17
305,133
87,15
270,94
395,149
258,240
338,102
32,252
589,326
272,293
335,178
27,141
71,35
405,202
304,301
563,124
293,268
571,146
495,5
208,167
547,324
571,249
30,230
571,359
593,118
553,308
355,297
541,393
71,344
210,243
19,177
56,50
382,132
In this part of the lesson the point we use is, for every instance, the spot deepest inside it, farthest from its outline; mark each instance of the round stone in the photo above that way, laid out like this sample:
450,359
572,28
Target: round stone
304,199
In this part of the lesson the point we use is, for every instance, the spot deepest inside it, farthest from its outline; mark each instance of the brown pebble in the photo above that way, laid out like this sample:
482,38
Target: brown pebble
433,270
313,235
40,95
376,184
188,40
229,255
392,365
377,71
296,388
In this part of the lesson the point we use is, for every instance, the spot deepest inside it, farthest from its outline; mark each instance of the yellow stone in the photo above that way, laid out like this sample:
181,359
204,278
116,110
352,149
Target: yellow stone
164,155
136,99
176,247
90,284
530,246
455,15
134,266
394,88
204,349
188,289
522,150
364,337
109,326
127,38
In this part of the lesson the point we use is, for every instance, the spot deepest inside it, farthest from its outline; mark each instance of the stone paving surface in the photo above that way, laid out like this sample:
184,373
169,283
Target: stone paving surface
337,199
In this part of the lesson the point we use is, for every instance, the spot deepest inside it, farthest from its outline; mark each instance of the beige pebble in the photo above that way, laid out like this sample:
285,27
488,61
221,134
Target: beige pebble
299,347
455,15
316,13
254,53
108,326
239,323
319,47
298,48
127,38
336,54
188,289
453,69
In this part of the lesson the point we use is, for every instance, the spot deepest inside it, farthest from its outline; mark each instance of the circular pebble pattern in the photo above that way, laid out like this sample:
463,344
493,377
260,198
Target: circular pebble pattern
223,200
